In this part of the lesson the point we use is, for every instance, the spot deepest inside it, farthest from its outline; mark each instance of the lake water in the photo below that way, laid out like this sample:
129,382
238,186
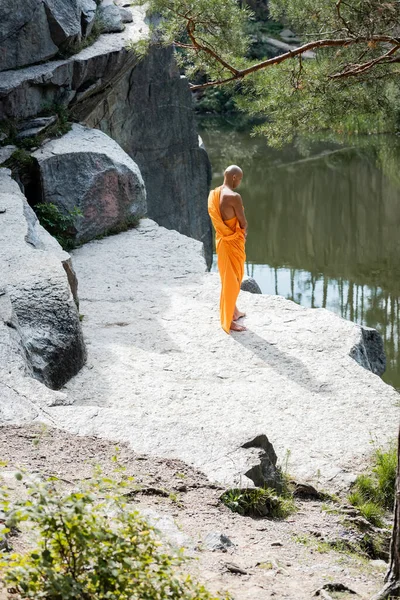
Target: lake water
324,223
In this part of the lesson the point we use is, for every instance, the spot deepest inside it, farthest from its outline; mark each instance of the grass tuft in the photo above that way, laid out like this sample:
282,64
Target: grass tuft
373,493
259,502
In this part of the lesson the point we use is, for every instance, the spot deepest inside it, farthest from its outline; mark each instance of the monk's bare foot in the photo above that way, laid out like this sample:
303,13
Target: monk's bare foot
235,327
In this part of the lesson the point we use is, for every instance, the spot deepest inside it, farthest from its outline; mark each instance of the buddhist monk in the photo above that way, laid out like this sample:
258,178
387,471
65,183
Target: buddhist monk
225,208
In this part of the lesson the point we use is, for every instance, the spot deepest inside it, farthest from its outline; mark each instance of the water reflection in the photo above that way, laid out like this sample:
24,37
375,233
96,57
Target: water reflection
324,224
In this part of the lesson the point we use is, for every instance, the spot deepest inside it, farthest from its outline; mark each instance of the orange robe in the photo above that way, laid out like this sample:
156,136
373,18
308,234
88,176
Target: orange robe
230,243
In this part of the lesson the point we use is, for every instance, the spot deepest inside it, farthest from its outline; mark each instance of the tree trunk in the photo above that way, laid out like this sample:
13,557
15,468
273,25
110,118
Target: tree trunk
392,579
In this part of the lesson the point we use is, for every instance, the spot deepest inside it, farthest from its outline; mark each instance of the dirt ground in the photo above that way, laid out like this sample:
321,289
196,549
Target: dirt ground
279,558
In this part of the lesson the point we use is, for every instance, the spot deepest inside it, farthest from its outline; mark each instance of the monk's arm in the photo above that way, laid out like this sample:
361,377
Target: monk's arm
239,212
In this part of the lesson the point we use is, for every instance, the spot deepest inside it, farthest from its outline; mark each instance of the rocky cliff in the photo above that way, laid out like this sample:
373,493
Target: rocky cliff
145,105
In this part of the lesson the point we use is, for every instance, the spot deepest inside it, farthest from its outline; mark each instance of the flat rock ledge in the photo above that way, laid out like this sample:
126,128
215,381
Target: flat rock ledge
163,376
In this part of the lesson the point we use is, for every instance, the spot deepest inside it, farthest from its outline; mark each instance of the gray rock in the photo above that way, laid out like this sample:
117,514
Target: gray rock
288,36
287,33
33,127
369,352
265,472
126,15
88,15
40,332
6,152
35,30
87,170
250,285
24,34
146,108
236,569
110,17
306,490
64,21
289,376
215,540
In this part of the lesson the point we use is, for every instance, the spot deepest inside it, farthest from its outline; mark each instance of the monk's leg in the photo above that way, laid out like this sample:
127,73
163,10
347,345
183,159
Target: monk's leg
238,314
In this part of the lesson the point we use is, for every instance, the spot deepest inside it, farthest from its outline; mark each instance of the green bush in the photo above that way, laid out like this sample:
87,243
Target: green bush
92,546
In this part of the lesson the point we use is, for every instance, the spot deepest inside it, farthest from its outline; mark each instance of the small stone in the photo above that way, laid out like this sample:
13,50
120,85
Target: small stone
276,544
126,15
235,569
250,285
306,490
215,540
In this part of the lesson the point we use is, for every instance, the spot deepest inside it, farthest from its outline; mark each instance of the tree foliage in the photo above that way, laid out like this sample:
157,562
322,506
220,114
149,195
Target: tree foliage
350,84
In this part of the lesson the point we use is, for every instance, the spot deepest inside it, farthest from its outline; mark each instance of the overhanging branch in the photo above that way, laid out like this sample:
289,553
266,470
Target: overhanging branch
328,43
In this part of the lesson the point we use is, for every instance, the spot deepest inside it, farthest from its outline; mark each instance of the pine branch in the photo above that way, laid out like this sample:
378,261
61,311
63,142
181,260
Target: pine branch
329,43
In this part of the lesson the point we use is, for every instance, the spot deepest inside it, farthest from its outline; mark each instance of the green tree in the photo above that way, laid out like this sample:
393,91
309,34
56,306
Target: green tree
342,77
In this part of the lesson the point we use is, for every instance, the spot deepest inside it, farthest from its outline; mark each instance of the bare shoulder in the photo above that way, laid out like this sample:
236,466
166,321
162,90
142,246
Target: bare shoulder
232,197
236,198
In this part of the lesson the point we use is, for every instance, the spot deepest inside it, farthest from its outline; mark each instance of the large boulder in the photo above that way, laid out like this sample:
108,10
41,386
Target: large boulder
38,306
145,105
88,171
35,30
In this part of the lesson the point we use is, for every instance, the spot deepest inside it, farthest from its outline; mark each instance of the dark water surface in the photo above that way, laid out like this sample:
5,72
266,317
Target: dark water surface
324,223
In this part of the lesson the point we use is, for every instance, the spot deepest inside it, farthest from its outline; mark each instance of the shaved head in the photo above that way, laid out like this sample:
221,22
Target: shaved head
233,170
233,175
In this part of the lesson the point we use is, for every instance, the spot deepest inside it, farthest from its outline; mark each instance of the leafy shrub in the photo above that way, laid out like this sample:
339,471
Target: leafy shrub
92,546
59,225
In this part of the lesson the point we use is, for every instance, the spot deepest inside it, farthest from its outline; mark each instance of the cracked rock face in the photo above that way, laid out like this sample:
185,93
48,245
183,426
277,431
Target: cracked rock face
88,171
40,332
35,30
145,106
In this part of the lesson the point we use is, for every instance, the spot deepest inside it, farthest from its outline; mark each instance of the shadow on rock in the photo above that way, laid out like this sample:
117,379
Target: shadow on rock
287,366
